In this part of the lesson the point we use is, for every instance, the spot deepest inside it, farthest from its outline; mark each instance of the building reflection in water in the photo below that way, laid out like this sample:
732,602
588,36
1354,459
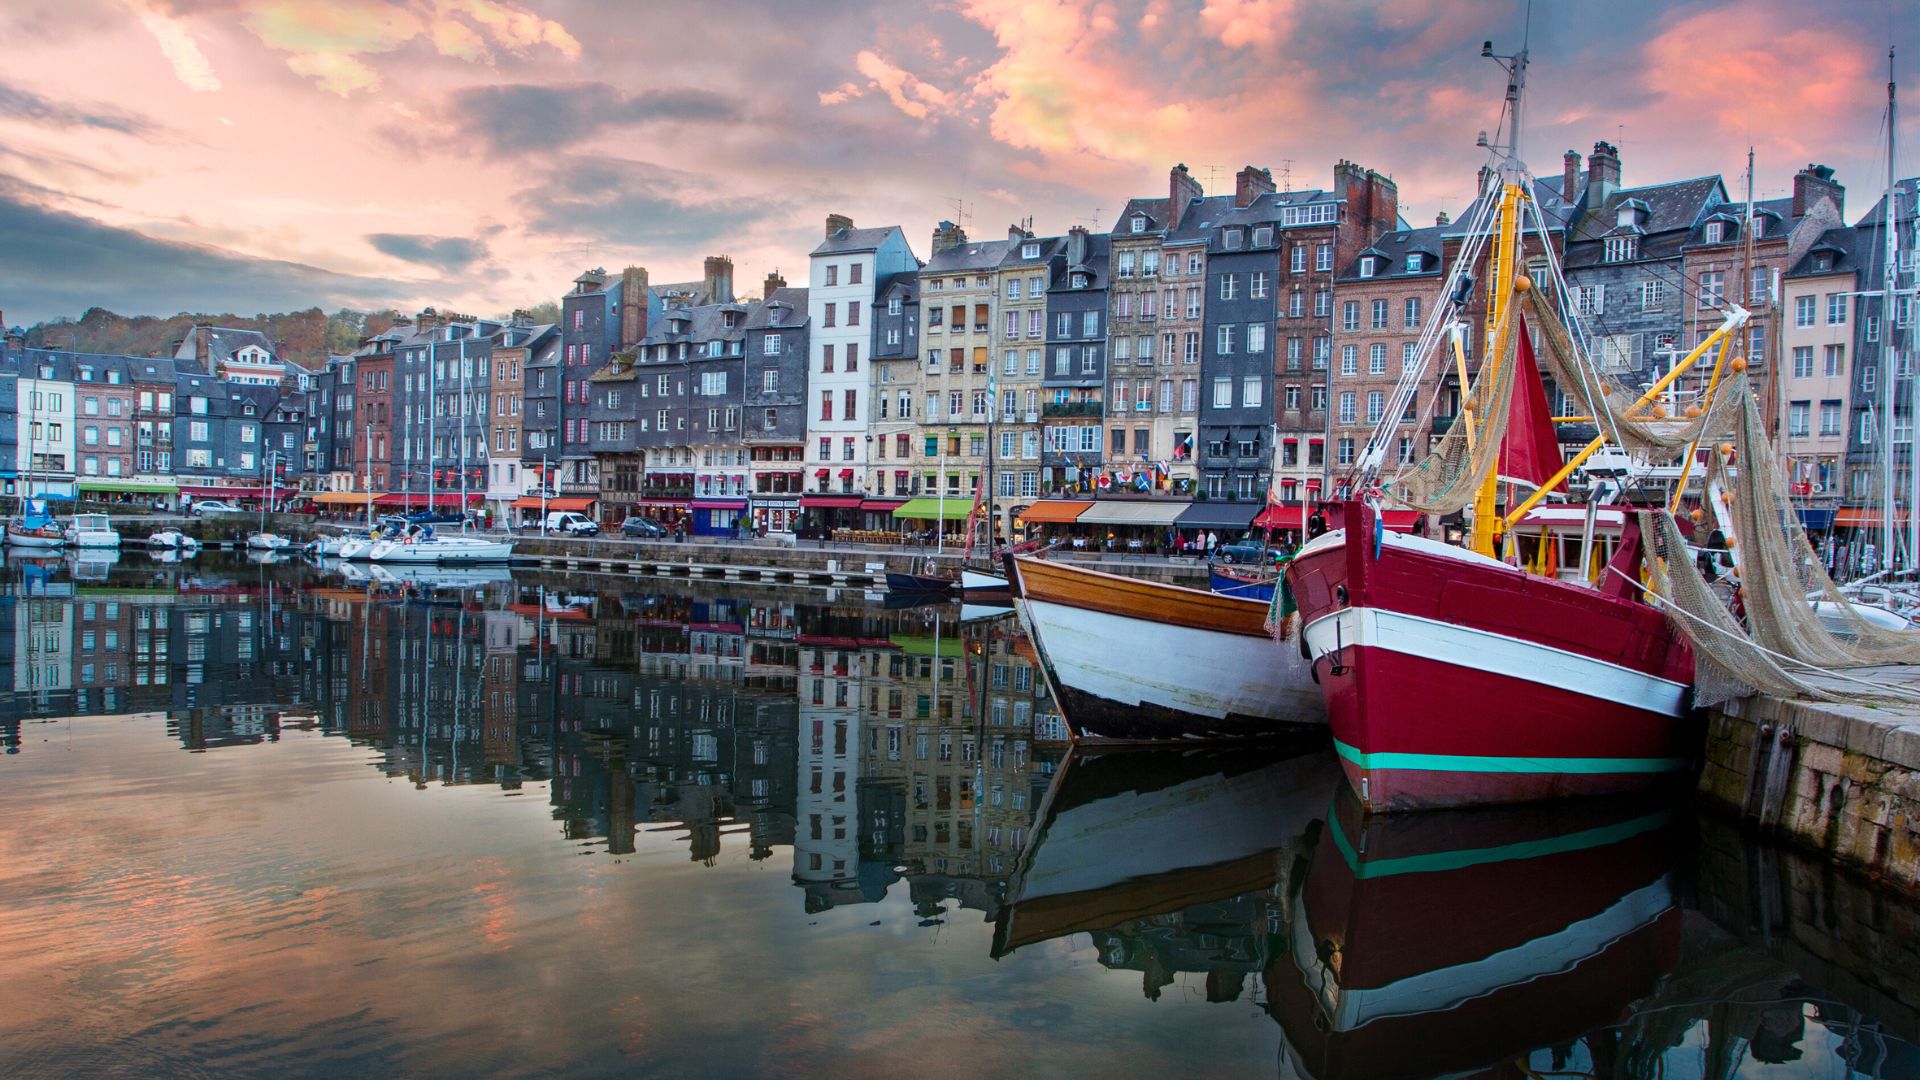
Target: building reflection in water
916,753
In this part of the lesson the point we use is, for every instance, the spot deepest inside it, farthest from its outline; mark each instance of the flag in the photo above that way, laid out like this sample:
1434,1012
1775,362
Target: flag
1184,448
1531,453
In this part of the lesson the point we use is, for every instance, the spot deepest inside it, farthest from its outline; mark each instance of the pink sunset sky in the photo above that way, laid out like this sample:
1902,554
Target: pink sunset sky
260,155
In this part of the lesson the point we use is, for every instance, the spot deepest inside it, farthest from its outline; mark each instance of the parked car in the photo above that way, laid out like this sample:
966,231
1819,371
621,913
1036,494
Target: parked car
1245,551
213,506
642,528
570,523
434,517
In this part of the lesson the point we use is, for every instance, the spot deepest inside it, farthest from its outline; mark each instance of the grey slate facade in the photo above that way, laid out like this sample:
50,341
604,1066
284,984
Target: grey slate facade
1237,349
1075,373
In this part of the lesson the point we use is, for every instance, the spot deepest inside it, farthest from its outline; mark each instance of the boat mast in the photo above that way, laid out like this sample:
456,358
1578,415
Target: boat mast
463,434
987,496
1487,523
433,403
1890,243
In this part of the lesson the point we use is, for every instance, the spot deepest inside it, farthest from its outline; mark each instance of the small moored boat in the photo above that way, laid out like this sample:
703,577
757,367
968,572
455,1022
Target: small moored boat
92,531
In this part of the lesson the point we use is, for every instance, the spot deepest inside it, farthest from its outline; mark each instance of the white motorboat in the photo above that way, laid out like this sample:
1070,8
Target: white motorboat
92,531
422,546
266,541
172,540
1841,626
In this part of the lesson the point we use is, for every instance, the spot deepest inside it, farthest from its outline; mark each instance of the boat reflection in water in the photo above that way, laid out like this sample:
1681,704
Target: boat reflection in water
1442,944
1172,861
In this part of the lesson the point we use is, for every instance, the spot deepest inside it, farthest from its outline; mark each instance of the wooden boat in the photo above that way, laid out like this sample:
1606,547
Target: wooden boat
1133,833
1136,660
1445,944
969,580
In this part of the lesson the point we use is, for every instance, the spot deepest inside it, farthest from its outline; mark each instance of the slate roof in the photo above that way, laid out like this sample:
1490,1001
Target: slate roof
223,342
905,282
1673,210
1547,194
985,255
1842,246
1203,216
847,241
1394,247
796,301
1155,209
1098,262
1907,192
1050,248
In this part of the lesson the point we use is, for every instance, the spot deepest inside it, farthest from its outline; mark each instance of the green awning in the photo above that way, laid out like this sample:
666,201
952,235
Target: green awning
925,509
139,487
929,646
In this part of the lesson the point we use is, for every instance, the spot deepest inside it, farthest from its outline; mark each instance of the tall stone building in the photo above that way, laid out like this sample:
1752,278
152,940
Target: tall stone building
1074,382
774,396
1820,316
896,386
957,301
1026,273
1154,334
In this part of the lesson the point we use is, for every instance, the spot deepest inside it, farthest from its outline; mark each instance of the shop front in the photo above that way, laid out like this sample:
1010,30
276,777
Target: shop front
775,513
1226,521
527,509
1052,519
1138,526
128,492
930,520
821,515
719,517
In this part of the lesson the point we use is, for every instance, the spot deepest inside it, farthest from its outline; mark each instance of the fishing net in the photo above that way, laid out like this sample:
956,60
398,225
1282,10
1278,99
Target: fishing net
1445,481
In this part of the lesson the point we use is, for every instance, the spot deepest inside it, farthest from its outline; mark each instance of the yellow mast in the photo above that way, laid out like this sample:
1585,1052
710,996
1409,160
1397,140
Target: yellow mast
1487,524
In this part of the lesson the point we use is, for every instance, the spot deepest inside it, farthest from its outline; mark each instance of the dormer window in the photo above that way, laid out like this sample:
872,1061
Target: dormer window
1232,238
1622,248
1366,266
1139,223
246,409
1263,236
1823,262
1416,262
1030,251
1716,232
1627,216
1079,281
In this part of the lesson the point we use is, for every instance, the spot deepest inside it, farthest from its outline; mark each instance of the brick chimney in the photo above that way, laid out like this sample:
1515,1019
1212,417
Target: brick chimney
1441,218
633,305
1570,175
1182,191
1076,246
1251,183
1814,183
1017,236
428,320
1373,208
203,345
719,279
773,284
1603,173
947,235
836,222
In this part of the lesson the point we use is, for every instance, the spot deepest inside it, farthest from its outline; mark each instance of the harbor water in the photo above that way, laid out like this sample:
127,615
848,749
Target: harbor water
261,818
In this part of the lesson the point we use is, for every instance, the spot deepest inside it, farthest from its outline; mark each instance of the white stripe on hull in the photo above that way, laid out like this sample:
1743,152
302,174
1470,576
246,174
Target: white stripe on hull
1449,987
1203,672
974,579
1494,653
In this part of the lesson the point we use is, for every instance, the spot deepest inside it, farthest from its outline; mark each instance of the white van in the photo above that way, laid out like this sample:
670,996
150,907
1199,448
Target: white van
571,523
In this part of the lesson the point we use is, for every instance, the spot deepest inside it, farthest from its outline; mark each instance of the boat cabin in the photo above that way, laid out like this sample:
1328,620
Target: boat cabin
1552,540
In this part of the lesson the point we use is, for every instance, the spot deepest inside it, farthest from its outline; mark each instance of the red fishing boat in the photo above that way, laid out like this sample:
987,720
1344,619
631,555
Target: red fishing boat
1461,676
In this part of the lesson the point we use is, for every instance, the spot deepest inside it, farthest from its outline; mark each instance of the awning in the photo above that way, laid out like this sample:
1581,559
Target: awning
846,474
719,504
929,646
822,473
1218,515
532,502
1145,512
346,498
1860,517
236,491
1282,518
1817,518
1054,511
830,502
935,509
1401,520
660,501
882,505
143,487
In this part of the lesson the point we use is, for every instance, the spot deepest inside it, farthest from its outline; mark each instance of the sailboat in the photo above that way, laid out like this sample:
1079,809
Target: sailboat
32,527
1451,676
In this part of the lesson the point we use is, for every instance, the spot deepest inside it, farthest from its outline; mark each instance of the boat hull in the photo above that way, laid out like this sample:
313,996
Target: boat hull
441,553
1452,680
979,581
1239,583
1137,661
922,584
30,540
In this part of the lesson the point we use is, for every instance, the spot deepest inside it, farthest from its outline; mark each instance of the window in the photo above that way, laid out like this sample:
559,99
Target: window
1830,418
1256,337
1350,315
1322,303
1250,392
1190,348
1836,309
1367,265
1621,248
1229,286
1223,393
1713,286
1323,257
853,313
1410,315
197,431
1090,324
1377,358
1257,285
1346,451
1803,310
826,405
1347,400
1376,405
1650,296
1715,232
1590,299
853,273
1803,361
1139,223
1193,302
1836,360
1223,343
1379,314
1349,359
833,274
894,305
1232,239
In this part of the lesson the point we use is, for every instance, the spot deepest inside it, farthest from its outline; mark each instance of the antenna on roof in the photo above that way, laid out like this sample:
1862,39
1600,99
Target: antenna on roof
1096,219
962,210
1286,174
1213,172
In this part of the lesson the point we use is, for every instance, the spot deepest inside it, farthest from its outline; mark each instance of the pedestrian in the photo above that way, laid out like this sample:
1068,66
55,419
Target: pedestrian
1213,543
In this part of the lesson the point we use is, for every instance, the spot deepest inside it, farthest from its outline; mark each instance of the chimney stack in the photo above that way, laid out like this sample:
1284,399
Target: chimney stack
719,279
1570,175
836,222
633,306
1251,183
947,235
203,345
1076,246
1182,191
1814,183
1441,218
773,284
1017,236
1603,172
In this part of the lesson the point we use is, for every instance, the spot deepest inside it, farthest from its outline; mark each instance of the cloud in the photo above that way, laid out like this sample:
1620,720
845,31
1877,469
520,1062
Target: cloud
53,263
909,93
449,254
524,116
190,65
19,104
636,203
329,41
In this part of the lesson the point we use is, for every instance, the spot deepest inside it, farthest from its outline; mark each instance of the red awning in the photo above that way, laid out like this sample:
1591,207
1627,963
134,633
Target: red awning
719,504
1401,520
823,473
1282,518
532,502
882,504
1315,438
1313,485
1289,481
1290,438
237,491
846,474
830,502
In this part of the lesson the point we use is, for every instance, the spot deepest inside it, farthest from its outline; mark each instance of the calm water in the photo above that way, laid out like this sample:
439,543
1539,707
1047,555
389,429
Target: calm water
265,820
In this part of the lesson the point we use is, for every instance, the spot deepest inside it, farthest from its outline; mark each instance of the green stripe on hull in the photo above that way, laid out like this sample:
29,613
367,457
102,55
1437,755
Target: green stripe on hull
1470,763
1442,861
